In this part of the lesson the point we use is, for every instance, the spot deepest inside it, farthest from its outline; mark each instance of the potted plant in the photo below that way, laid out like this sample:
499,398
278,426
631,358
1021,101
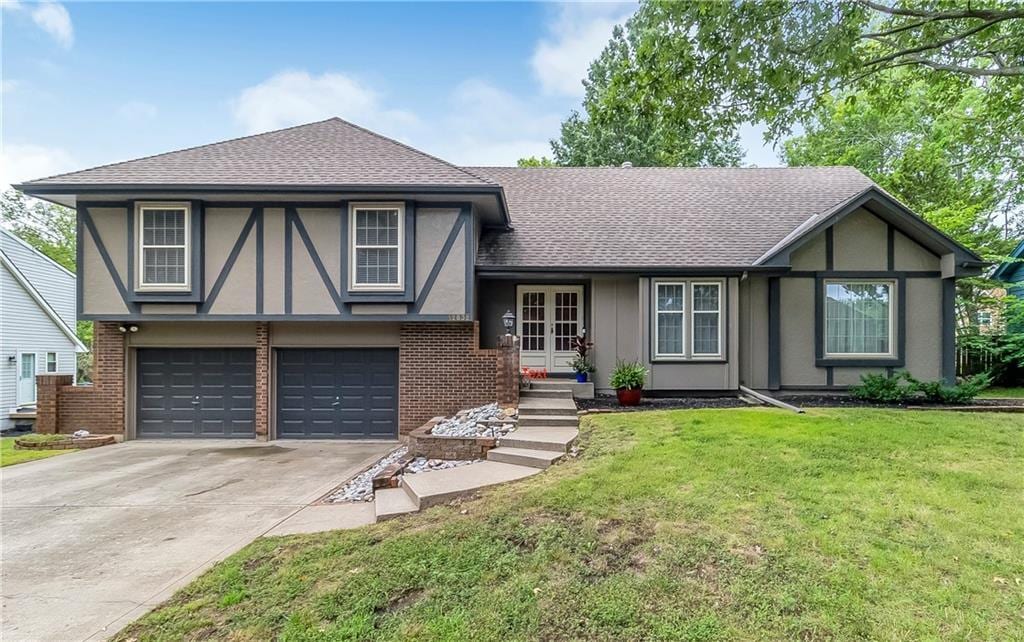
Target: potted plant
580,363
628,380
582,368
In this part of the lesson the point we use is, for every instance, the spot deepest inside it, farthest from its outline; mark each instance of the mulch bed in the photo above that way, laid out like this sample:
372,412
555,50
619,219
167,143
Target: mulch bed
609,402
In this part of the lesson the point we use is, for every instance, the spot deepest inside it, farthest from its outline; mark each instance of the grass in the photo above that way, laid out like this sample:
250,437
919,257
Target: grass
1002,393
750,524
9,456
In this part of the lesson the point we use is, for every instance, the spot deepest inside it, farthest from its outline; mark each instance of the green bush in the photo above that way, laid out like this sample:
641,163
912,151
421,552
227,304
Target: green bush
882,389
902,387
963,392
41,438
628,374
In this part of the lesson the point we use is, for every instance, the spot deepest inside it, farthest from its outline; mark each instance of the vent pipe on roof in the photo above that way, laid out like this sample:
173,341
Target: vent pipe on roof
627,164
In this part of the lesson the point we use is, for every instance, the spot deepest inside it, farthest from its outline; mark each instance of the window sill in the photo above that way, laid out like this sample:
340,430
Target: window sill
860,362
694,360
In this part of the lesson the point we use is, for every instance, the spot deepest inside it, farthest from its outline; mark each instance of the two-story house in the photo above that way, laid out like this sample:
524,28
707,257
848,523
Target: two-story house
324,281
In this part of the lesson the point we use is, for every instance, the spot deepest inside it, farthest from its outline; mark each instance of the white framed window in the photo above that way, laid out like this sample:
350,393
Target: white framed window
51,362
163,235
859,318
669,319
377,233
706,309
984,318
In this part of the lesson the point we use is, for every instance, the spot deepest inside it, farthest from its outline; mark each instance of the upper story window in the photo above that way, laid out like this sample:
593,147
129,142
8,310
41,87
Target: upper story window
51,362
859,318
377,238
163,246
687,319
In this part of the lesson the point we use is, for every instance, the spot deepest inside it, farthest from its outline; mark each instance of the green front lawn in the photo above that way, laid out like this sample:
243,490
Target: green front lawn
9,456
1002,393
748,524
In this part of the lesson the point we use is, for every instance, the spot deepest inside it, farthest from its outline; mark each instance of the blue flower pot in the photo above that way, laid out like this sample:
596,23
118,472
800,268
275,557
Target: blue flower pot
581,377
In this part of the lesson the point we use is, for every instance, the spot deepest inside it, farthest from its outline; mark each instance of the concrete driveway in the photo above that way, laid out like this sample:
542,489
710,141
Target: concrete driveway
94,539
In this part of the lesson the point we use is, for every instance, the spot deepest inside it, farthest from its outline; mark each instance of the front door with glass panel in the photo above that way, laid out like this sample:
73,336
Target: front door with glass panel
27,378
550,316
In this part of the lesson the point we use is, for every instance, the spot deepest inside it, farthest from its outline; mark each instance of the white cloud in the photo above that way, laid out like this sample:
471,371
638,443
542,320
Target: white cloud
489,126
577,34
26,162
296,97
51,17
54,19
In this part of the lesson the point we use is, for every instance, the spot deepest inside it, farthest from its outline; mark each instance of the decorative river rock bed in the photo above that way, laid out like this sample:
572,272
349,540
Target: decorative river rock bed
488,421
485,421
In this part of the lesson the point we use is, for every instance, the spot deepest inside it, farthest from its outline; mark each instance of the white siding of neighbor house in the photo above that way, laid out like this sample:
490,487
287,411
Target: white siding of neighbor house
24,325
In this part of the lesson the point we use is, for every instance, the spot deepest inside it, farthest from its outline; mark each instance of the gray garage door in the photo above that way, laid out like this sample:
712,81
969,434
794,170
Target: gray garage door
337,393
195,392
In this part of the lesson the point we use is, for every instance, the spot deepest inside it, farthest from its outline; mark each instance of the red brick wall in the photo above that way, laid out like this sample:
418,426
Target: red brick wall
262,380
442,370
98,408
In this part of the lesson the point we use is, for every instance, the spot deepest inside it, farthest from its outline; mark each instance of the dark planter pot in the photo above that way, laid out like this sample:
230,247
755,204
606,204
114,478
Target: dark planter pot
629,396
581,377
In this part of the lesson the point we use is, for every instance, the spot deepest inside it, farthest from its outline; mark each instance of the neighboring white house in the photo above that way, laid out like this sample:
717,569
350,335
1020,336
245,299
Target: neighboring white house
37,323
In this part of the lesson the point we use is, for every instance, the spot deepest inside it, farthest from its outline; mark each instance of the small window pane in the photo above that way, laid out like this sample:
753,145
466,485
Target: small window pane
51,362
857,318
164,265
670,297
670,333
705,333
377,266
705,298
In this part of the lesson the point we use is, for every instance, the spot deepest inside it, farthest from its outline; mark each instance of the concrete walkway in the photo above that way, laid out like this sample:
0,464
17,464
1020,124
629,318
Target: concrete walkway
94,539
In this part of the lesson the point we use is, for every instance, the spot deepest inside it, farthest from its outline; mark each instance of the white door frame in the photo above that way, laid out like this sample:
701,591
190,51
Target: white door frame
555,361
18,396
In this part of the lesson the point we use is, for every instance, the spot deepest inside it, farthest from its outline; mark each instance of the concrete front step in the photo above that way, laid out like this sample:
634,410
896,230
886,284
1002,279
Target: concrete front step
579,390
439,486
546,393
542,406
538,420
524,456
392,502
555,439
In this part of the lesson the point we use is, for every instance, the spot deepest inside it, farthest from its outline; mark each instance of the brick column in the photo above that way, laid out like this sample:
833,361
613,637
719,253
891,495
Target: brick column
507,378
48,402
262,381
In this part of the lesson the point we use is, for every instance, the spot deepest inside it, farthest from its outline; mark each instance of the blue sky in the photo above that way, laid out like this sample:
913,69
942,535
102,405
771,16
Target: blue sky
474,83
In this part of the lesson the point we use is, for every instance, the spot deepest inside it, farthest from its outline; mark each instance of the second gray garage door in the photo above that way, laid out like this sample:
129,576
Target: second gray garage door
332,393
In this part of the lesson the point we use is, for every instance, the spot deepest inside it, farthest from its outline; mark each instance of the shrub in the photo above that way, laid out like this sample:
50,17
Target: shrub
963,392
882,389
34,436
628,374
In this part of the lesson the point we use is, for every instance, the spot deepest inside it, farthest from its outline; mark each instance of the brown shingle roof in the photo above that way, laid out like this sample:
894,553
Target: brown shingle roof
330,152
604,217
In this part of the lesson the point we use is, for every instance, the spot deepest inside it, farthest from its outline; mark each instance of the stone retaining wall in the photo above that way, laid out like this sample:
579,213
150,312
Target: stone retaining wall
424,444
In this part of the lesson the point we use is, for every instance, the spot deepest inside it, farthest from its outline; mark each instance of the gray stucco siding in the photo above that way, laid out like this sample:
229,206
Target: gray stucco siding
303,258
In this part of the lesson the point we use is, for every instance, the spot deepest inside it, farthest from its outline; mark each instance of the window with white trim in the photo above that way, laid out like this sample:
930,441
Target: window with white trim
163,246
377,240
706,304
859,318
51,362
670,319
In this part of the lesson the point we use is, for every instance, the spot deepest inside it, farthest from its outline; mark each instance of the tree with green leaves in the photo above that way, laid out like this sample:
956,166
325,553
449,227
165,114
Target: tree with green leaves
533,161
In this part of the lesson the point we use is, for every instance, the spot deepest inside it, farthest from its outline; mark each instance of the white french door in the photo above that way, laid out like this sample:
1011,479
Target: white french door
549,318
26,379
